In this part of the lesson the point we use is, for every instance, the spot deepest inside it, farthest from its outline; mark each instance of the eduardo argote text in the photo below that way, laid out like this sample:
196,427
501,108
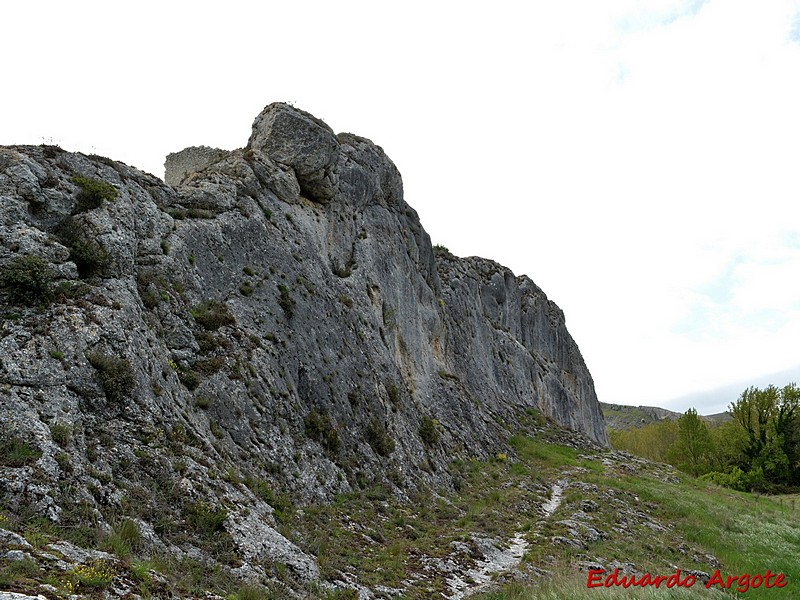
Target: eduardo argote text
741,583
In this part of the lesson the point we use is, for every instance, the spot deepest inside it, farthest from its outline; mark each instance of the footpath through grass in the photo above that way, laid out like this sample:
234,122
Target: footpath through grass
747,535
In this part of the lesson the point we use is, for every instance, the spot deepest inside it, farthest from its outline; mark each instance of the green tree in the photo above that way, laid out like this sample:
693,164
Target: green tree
652,441
753,411
692,450
770,419
728,441
787,430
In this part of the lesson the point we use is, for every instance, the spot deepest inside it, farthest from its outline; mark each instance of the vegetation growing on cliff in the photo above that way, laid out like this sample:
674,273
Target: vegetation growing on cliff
28,280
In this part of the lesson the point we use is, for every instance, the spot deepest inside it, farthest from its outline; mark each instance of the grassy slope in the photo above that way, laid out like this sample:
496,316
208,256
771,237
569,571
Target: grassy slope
744,532
648,514
644,514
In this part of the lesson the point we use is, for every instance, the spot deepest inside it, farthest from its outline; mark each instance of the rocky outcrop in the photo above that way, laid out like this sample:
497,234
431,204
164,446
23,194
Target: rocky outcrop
278,326
179,165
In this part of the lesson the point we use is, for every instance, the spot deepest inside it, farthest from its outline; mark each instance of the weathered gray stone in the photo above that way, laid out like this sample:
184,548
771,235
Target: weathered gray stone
260,542
15,596
9,538
298,140
74,554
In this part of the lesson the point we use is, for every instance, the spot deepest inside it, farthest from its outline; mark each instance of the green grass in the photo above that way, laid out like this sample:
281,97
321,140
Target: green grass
529,449
15,452
746,533
16,572
573,587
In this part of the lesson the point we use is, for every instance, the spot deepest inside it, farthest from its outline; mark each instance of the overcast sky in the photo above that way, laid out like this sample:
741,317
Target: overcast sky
638,159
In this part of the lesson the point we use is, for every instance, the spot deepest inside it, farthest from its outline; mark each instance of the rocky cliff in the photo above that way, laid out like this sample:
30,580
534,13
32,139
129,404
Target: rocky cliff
275,324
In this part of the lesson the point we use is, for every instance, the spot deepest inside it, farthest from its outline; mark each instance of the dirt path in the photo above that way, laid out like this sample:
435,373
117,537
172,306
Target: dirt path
477,578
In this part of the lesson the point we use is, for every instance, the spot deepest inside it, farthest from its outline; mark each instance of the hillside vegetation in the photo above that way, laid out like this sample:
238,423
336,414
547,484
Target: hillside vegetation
621,417
757,449
530,523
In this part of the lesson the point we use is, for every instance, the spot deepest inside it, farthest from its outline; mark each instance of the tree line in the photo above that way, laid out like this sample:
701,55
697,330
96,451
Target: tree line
758,450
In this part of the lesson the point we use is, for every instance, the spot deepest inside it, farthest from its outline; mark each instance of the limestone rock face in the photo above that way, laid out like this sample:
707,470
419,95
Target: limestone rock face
276,326
296,139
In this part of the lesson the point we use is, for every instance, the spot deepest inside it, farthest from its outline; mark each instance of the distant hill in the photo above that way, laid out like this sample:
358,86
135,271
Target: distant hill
621,417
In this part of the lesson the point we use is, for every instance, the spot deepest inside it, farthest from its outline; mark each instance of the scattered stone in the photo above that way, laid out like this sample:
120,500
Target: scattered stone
78,555
589,506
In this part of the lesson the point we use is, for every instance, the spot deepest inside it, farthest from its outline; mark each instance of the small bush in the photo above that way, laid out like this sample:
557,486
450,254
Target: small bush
378,438
737,479
429,430
189,378
394,395
28,280
209,366
354,397
207,342
200,213
342,271
286,302
147,284
124,538
213,314
89,256
16,453
92,193
64,463
116,375
389,317
318,427
92,575
61,434
202,402
205,519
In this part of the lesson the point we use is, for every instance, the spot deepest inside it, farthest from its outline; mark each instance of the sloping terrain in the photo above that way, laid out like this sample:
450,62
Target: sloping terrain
532,523
623,417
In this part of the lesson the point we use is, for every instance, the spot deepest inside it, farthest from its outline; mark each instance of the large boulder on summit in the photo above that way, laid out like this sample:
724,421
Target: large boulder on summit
296,139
